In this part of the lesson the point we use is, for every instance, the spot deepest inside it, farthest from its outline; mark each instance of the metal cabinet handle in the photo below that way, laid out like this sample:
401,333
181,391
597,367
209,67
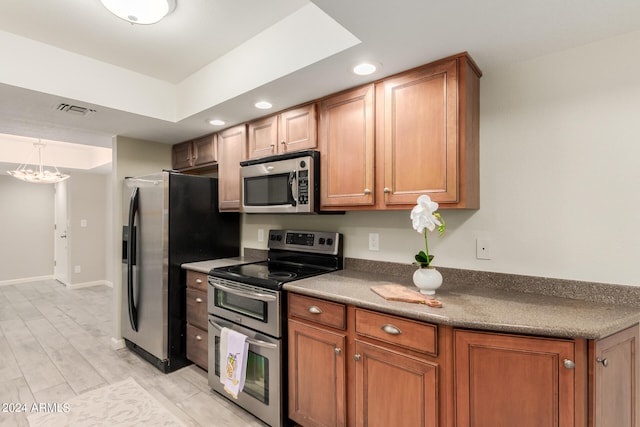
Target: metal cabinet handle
337,351
283,143
367,191
356,357
198,281
569,364
198,300
387,190
314,309
604,362
198,337
390,329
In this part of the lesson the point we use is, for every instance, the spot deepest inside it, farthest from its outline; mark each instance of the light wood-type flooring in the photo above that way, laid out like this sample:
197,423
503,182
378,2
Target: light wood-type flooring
55,343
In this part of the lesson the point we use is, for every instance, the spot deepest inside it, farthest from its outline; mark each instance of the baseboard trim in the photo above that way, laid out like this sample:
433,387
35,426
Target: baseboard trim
89,284
25,280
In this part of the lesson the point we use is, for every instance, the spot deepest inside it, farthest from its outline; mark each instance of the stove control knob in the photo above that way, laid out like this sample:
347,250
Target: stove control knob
321,240
330,241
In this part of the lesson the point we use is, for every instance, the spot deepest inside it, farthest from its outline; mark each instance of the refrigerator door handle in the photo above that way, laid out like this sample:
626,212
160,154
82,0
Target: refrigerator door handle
131,251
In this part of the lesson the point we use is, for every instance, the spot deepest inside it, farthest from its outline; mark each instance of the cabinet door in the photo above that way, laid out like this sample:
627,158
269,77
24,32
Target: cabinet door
182,155
263,137
206,151
393,389
418,135
616,380
231,151
297,129
317,389
506,380
346,142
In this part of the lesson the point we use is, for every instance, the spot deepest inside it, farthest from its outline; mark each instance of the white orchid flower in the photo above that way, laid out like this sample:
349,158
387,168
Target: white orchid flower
422,215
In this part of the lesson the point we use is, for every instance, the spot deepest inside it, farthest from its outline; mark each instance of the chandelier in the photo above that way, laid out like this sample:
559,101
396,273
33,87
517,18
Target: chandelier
38,174
140,11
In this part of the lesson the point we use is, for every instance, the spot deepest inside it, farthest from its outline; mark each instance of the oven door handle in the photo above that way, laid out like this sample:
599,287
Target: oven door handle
252,295
250,341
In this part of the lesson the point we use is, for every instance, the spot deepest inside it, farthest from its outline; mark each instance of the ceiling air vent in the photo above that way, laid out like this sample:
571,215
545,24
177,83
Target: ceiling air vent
74,109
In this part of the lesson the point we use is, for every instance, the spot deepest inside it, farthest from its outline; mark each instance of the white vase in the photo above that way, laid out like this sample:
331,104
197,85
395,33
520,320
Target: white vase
427,280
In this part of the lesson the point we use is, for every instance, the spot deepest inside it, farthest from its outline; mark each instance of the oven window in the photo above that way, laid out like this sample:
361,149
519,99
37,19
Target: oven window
267,190
256,383
242,305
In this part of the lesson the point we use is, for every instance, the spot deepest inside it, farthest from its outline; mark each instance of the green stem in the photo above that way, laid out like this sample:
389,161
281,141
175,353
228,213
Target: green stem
426,246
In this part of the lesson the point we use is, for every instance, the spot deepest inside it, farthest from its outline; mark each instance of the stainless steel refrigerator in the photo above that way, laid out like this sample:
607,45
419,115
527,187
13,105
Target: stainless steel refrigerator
169,219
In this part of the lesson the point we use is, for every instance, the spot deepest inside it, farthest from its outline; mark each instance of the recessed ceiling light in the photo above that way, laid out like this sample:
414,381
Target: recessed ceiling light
216,122
263,105
365,68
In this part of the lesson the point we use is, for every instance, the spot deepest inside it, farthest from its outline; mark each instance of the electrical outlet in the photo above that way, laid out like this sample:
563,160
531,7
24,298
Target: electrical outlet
260,234
374,242
483,249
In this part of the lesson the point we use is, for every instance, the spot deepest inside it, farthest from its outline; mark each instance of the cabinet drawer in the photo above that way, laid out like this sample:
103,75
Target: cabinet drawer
398,331
197,341
196,280
318,310
197,308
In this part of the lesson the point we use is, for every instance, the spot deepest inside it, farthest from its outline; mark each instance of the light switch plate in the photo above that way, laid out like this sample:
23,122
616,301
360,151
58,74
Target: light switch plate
483,249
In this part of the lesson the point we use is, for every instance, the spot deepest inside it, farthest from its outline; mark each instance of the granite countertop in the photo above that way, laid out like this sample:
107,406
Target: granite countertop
206,266
473,305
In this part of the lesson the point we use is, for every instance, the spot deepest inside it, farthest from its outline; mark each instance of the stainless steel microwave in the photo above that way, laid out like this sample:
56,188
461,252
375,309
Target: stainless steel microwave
287,183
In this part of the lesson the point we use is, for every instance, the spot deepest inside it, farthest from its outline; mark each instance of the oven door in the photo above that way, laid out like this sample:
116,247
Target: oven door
250,306
262,395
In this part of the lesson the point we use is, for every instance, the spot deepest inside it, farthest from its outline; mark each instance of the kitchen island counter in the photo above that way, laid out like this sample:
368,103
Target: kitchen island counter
478,306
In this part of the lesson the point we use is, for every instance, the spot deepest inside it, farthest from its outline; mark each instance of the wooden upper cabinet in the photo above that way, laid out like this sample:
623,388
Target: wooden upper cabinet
346,144
206,150
195,154
427,135
289,131
232,144
509,380
616,380
182,156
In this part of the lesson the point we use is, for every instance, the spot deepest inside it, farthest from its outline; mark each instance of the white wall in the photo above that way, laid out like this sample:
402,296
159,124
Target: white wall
560,175
26,230
88,244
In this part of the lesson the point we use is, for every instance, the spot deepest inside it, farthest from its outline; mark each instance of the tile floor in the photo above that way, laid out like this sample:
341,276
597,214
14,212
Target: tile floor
55,343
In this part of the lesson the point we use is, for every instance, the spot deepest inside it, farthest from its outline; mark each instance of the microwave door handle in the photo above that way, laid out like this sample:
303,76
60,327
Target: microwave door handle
250,341
292,179
251,295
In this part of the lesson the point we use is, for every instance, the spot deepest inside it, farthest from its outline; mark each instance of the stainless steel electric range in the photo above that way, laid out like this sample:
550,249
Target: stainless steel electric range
248,298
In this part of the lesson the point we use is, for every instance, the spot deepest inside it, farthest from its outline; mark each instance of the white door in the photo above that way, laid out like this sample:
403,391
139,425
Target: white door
61,247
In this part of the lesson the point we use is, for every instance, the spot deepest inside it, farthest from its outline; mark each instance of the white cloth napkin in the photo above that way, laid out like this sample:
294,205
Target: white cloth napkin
234,350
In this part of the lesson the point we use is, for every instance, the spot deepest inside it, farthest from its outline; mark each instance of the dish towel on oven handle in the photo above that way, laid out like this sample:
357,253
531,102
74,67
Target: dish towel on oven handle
234,350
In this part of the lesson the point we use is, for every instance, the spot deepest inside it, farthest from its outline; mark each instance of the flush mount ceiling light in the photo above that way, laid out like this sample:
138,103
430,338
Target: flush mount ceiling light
37,175
263,105
216,122
140,11
365,68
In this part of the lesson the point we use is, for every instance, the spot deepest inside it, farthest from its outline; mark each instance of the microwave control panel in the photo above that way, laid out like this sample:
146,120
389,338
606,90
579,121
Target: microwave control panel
303,186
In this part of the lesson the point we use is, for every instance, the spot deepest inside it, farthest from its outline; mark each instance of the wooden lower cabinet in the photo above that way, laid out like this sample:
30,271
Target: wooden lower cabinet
358,367
317,376
614,363
393,389
510,380
197,315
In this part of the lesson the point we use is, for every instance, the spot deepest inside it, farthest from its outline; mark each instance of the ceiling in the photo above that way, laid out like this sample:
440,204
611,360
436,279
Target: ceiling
216,58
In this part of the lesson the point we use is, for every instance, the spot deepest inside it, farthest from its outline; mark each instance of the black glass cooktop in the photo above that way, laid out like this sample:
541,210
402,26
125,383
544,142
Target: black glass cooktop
267,274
